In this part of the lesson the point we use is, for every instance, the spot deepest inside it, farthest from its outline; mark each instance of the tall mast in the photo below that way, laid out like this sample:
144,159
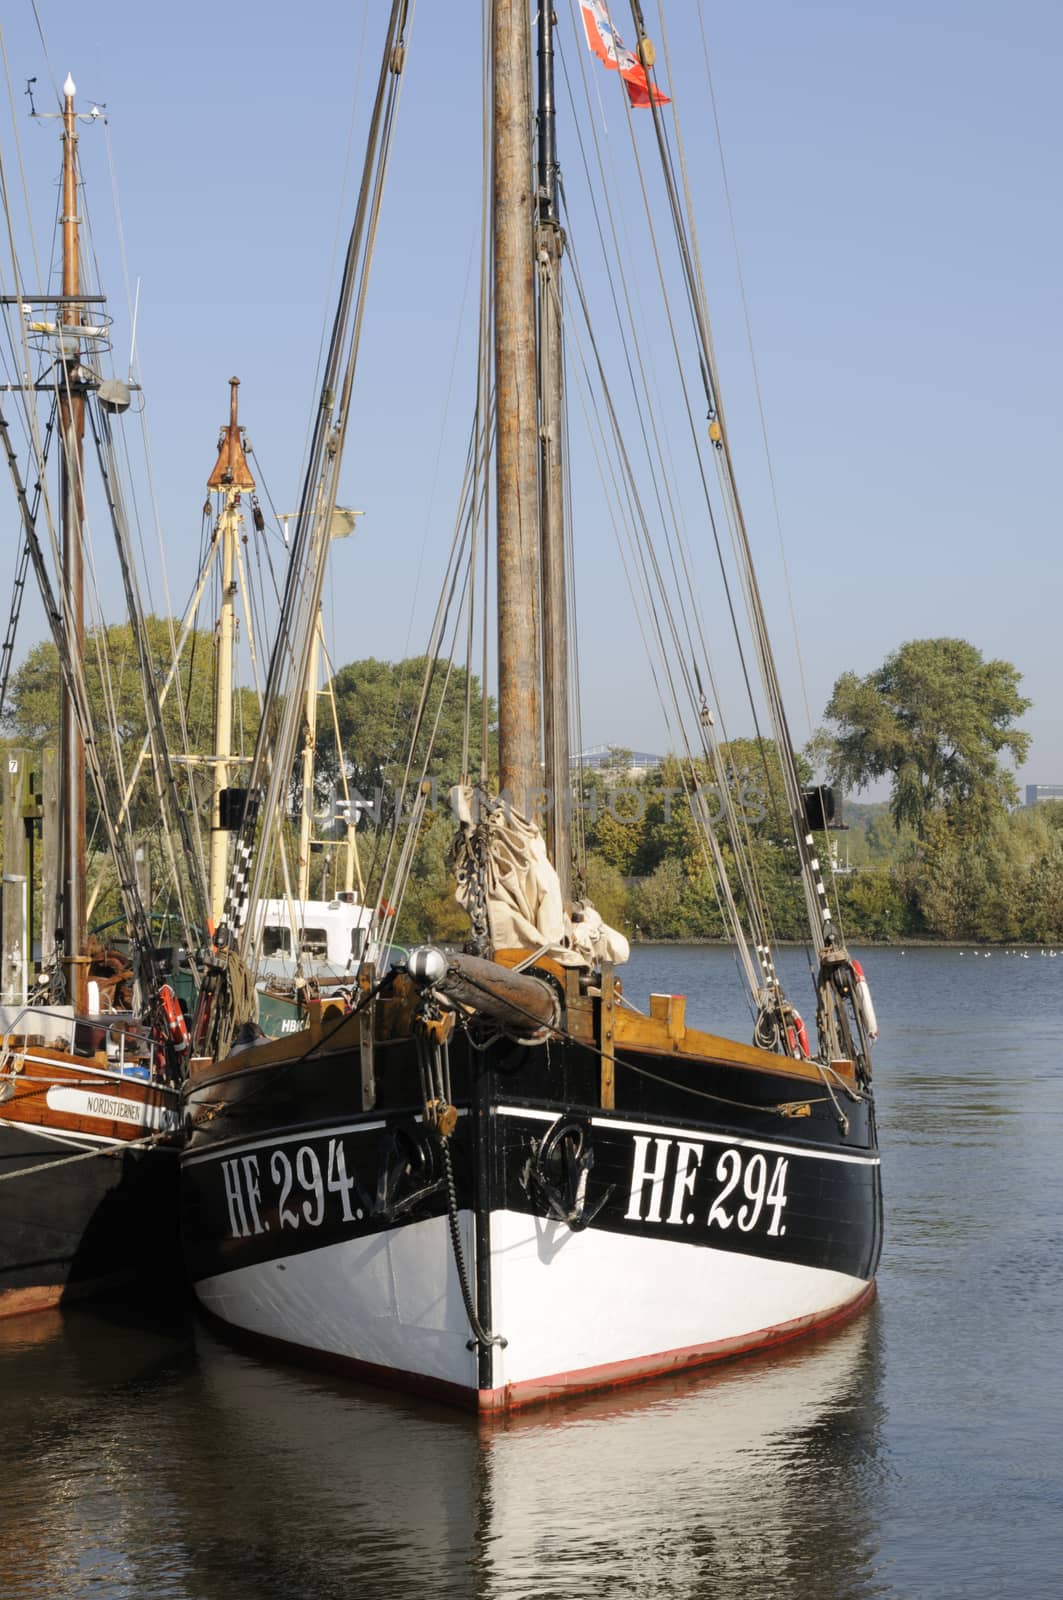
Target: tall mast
515,378
309,754
72,509
550,242
231,476
341,526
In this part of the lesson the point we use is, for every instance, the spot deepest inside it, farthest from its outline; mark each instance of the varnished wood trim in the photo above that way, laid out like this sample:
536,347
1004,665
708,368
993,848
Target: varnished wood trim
658,1035
608,1023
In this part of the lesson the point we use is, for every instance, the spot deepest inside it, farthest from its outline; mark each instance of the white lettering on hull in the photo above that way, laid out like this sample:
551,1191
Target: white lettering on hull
744,1175
303,1183
113,1108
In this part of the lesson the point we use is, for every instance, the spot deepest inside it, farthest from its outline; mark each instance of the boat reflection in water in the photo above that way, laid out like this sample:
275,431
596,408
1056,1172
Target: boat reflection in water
139,1464
756,1479
750,1483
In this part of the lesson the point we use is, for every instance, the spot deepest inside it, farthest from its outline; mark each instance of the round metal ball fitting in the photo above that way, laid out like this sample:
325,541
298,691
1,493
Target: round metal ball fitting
426,965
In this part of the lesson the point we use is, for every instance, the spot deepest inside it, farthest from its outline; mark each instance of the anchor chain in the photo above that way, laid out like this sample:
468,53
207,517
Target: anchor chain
433,1028
470,867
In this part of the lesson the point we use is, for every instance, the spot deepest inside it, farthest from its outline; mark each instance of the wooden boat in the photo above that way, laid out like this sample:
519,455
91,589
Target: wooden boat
489,1178
89,1098
88,1160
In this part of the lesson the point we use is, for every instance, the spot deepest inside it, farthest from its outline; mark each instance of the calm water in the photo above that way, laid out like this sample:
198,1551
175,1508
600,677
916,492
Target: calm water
916,1454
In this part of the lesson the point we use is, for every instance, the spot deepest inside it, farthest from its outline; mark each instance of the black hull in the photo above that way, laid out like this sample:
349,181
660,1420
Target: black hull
286,1174
83,1227
833,1199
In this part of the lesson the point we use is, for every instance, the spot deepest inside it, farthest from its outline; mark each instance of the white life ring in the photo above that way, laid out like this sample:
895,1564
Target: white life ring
864,1004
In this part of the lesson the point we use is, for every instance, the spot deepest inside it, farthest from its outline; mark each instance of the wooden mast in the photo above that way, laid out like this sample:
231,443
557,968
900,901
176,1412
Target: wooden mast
231,476
72,507
549,240
306,819
519,737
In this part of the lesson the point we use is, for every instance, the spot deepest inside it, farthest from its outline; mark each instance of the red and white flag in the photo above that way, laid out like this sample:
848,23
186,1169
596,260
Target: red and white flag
608,46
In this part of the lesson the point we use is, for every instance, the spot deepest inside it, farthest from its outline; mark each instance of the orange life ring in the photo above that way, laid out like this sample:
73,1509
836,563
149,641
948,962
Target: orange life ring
175,1019
798,1035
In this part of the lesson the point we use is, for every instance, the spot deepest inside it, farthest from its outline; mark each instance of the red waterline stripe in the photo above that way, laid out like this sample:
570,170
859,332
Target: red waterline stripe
617,1374
493,1403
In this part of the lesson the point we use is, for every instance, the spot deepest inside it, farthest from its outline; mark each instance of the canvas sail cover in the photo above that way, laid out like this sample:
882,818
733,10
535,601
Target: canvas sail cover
501,849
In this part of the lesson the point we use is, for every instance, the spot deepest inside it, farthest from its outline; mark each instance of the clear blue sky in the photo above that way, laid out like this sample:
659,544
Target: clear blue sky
895,175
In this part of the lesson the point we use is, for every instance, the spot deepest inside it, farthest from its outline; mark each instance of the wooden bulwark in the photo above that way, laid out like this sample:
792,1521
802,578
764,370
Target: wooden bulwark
27,1074
664,1032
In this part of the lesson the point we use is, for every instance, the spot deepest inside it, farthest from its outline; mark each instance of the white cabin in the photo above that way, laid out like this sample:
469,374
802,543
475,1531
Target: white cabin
329,936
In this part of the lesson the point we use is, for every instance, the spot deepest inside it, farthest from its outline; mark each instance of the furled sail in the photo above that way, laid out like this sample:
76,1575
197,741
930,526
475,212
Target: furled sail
506,877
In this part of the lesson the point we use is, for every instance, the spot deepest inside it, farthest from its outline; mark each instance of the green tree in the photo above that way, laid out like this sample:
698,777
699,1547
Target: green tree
935,718
429,909
873,904
376,705
112,675
118,702
656,908
607,891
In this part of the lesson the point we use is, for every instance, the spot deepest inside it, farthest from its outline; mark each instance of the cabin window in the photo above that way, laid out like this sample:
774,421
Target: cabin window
357,935
313,941
276,941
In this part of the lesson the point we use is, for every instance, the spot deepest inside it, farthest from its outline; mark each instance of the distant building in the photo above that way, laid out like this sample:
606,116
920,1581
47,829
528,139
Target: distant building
603,756
1037,792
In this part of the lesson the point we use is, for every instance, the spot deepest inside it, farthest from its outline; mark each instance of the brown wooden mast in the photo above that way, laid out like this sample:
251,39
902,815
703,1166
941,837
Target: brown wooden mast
519,735
550,240
72,508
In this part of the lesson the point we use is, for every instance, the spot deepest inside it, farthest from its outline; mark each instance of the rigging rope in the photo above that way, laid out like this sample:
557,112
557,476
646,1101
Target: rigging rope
275,746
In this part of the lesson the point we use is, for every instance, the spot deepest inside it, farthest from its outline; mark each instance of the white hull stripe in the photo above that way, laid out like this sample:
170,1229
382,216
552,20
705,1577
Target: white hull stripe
534,1114
105,1107
293,1138
274,1140
662,1131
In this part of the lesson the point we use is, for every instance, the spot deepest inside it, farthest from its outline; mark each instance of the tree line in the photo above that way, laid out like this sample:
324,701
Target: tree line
948,856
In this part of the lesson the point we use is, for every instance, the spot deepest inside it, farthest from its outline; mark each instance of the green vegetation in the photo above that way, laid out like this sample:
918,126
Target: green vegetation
946,857
933,719
116,698
376,706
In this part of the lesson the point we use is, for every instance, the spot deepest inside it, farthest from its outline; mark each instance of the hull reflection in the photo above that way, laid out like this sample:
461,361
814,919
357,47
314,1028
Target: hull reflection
749,1480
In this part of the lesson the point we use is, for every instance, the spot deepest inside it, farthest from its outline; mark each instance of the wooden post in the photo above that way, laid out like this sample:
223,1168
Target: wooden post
12,967
366,980
608,1033
72,509
49,853
231,477
519,737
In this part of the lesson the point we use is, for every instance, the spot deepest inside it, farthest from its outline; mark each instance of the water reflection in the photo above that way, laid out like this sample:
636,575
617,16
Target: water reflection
752,1480
141,1457
755,1480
